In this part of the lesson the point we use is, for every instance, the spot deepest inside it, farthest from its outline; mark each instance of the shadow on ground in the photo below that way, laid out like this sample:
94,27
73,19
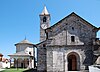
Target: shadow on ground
30,70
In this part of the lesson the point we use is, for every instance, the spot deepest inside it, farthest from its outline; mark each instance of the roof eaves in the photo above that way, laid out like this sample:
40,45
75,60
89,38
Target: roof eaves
84,20
40,43
69,16
60,20
24,43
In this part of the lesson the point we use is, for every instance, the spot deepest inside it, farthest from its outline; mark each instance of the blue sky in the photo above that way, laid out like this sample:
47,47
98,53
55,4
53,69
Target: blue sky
20,18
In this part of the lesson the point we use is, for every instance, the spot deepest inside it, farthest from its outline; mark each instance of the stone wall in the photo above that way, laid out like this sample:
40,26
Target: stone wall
54,58
49,59
41,64
57,58
72,26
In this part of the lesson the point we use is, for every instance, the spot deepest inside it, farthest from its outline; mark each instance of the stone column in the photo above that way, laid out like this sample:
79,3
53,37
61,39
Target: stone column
32,63
17,63
29,64
23,59
10,62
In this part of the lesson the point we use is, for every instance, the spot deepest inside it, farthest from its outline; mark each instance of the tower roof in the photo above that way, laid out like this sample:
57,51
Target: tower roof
45,11
24,42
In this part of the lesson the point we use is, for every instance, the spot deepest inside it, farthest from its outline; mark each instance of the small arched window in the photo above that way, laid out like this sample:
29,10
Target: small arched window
44,45
44,19
72,38
72,28
30,53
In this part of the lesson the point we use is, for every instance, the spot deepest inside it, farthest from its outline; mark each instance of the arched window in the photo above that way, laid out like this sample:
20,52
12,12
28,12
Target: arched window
44,19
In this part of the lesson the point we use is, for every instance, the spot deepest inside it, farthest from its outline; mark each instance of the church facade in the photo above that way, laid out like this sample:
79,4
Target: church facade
68,45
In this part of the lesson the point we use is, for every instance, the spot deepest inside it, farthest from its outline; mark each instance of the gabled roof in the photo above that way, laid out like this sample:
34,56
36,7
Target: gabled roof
45,11
72,14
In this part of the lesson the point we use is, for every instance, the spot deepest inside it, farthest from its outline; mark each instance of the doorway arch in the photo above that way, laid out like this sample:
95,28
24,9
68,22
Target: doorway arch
73,61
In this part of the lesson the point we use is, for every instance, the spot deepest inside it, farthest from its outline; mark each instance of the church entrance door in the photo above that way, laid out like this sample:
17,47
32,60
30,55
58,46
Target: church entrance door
72,62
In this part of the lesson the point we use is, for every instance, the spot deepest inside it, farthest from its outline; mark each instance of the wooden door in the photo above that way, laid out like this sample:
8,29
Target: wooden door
72,63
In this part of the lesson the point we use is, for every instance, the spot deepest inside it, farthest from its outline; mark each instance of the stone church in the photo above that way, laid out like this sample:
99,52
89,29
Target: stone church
68,45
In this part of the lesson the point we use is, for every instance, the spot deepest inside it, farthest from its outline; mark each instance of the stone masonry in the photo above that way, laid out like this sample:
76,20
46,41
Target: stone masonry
69,45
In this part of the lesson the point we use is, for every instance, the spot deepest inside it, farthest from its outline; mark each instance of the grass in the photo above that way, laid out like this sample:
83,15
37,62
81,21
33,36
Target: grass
14,70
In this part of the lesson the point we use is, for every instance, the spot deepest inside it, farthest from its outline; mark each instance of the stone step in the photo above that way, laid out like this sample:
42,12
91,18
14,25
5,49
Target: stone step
79,71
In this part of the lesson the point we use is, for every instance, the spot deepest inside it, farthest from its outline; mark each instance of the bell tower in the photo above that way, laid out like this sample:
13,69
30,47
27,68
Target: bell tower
44,23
